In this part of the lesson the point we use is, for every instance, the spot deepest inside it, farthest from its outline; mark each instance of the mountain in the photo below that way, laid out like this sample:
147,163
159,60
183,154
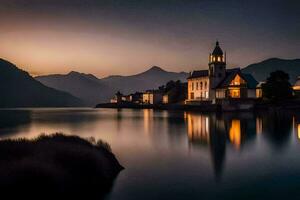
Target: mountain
94,90
19,89
84,86
262,70
150,79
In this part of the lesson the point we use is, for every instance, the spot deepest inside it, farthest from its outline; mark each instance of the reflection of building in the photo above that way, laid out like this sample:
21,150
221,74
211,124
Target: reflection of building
207,130
198,128
259,125
219,83
235,133
214,131
148,120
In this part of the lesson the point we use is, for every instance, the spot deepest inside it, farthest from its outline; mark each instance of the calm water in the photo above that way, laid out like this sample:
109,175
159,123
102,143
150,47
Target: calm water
182,155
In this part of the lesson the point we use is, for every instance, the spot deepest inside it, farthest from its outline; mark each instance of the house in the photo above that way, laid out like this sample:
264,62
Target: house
118,98
136,97
259,92
152,97
218,83
296,87
176,94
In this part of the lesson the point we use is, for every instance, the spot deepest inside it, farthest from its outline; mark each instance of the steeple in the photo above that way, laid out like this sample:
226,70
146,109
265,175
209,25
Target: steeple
217,56
217,65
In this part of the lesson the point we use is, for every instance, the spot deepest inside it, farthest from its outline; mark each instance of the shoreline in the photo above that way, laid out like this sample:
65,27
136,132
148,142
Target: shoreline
236,107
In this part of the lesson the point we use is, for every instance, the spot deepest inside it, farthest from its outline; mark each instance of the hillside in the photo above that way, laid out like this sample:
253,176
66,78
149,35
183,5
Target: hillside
19,89
84,86
261,70
152,78
93,90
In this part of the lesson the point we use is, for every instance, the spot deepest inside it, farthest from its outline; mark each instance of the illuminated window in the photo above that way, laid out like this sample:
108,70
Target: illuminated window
219,58
258,93
237,81
234,93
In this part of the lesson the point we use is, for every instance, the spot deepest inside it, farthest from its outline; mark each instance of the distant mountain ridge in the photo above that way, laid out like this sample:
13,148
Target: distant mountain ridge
262,70
150,79
84,86
19,89
94,90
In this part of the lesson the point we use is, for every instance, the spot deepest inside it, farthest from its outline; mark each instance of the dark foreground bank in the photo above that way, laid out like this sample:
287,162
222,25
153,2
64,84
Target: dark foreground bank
55,166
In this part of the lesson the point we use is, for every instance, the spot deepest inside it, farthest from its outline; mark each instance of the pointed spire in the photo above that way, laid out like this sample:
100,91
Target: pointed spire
217,51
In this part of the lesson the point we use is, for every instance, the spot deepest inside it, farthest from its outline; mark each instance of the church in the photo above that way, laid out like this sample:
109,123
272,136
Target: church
218,83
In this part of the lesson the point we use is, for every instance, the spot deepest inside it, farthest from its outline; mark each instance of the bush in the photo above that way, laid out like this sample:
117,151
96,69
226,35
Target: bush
57,165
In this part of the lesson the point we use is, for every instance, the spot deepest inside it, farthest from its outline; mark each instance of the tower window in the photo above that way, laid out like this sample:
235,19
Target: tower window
219,58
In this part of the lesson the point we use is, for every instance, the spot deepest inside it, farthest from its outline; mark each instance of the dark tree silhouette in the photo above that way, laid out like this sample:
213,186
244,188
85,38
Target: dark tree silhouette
277,86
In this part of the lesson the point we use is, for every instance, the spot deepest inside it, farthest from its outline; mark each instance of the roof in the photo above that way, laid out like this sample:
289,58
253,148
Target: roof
231,73
251,82
260,84
198,74
217,51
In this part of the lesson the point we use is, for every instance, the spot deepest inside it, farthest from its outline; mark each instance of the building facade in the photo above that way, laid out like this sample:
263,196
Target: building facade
219,83
152,97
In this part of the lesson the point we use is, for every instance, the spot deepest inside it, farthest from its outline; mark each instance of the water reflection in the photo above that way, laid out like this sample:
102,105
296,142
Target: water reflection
173,146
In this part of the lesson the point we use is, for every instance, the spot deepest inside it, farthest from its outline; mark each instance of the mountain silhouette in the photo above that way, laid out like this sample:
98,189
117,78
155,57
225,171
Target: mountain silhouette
94,90
19,89
262,70
84,86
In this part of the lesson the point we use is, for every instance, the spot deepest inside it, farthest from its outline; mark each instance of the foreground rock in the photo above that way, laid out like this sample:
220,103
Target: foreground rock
56,165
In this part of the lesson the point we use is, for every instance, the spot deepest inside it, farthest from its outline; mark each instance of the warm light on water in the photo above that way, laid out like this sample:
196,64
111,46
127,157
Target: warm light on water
235,133
182,155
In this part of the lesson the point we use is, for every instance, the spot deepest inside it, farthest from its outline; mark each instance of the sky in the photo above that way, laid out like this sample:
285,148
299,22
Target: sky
106,37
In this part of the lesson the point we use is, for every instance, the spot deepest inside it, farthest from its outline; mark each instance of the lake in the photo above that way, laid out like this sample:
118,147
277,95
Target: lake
182,155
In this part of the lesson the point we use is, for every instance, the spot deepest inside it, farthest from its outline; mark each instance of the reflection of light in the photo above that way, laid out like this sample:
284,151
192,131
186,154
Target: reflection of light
198,128
235,133
259,125
148,114
298,129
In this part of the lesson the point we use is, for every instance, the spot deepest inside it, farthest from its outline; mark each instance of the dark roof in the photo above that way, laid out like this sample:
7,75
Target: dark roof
197,74
251,82
217,51
231,73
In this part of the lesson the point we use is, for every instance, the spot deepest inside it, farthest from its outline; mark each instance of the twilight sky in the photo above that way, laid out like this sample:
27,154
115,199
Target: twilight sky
106,37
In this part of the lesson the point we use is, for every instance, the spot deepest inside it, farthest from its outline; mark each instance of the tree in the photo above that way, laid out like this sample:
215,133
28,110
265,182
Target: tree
277,86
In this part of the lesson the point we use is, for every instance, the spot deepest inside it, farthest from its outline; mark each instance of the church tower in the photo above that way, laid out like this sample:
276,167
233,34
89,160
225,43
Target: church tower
217,66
